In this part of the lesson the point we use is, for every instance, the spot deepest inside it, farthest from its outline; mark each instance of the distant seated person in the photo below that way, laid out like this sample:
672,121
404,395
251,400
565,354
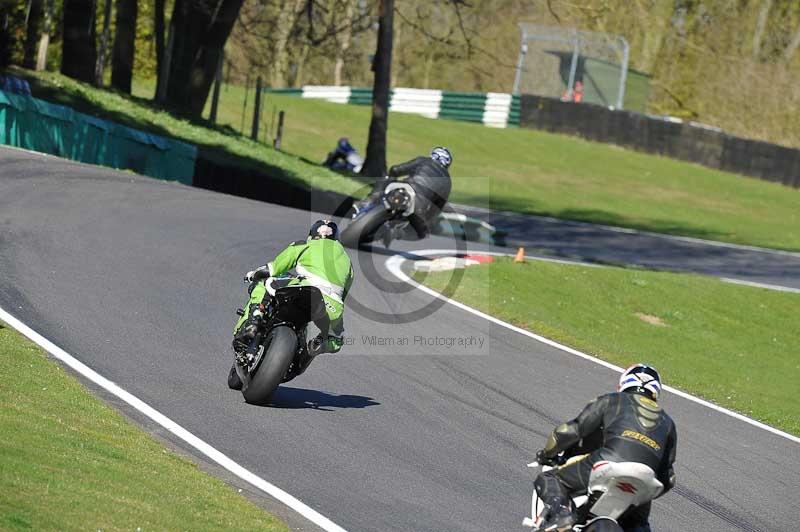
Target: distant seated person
15,85
344,157
574,95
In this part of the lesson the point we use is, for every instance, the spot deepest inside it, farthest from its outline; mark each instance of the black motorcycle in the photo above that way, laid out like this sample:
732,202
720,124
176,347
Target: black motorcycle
369,217
279,351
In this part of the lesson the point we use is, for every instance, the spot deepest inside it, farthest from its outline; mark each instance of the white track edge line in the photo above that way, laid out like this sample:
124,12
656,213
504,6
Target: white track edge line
206,449
394,263
631,231
755,284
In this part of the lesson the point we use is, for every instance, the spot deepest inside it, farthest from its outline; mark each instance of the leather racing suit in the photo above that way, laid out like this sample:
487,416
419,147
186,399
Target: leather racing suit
619,427
431,182
319,262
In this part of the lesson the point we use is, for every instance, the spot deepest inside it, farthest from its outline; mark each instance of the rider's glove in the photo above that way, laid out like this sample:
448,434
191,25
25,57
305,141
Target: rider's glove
542,458
257,274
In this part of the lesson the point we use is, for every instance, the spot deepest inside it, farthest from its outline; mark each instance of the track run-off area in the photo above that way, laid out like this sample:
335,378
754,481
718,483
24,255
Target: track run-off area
424,422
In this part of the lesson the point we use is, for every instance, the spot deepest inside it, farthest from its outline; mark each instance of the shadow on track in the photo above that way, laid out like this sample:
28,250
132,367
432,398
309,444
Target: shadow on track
286,397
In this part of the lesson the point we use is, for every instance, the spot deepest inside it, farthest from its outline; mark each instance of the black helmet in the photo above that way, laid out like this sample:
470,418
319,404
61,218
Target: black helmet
324,229
442,156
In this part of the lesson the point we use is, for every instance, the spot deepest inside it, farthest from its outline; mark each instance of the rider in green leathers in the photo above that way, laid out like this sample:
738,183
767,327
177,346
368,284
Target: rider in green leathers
319,261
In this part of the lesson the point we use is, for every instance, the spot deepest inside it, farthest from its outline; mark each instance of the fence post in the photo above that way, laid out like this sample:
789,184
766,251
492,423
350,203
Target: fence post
257,110
624,74
523,49
573,67
279,135
244,105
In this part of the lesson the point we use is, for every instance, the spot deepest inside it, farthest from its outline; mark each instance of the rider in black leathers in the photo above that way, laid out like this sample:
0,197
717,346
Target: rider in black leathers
430,178
627,426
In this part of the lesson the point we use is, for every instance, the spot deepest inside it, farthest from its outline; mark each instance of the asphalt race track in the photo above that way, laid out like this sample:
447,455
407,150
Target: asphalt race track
139,279
582,241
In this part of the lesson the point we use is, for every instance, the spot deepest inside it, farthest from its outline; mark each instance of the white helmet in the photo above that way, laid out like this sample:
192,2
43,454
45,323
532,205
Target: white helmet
640,378
442,156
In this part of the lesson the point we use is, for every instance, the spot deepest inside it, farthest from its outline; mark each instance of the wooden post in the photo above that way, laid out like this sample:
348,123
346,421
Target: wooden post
279,135
272,122
244,105
215,96
257,110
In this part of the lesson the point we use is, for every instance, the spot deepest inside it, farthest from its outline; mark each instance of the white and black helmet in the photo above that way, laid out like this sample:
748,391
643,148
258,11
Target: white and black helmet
442,156
642,379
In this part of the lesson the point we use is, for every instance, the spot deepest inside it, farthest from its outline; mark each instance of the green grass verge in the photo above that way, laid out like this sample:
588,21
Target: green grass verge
534,172
69,462
514,169
733,345
221,144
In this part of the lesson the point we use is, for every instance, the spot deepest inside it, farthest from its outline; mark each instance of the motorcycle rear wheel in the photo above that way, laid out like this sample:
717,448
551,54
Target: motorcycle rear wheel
279,350
362,229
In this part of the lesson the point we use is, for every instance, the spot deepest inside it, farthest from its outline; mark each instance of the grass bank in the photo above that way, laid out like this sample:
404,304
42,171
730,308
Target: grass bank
514,169
733,345
222,144
69,462
535,172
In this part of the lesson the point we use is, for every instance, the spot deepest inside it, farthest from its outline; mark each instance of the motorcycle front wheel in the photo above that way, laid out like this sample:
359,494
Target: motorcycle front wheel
280,345
603,525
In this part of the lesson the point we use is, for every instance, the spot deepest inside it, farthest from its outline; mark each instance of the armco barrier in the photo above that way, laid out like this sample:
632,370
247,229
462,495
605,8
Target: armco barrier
214,174
671,137
492,109
37,125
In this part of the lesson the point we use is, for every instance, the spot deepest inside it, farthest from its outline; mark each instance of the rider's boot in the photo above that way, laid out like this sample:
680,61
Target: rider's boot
249,329
559,517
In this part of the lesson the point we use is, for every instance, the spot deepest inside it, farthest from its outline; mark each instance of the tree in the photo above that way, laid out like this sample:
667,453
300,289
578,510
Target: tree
375,162
99,70
5,39
198,30
44,41
124,45
79,54
792,47
158,29
343,41
761,24
285,23
35,19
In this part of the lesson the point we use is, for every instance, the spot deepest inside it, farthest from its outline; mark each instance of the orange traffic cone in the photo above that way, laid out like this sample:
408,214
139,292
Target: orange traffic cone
520,256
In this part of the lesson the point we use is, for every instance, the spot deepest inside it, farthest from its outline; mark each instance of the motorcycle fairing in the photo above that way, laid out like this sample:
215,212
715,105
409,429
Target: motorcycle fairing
623,485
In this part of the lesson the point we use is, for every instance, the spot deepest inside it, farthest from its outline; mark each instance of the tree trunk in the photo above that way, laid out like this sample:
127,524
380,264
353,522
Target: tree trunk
44,42
35,19
283,28
100,68
300,62
344,42
5,37
790,50
79,54
158,28
375,163
761,24
200,29
124,45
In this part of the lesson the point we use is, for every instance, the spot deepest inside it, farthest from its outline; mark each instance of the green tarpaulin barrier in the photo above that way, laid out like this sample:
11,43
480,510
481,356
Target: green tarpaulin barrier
37,125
